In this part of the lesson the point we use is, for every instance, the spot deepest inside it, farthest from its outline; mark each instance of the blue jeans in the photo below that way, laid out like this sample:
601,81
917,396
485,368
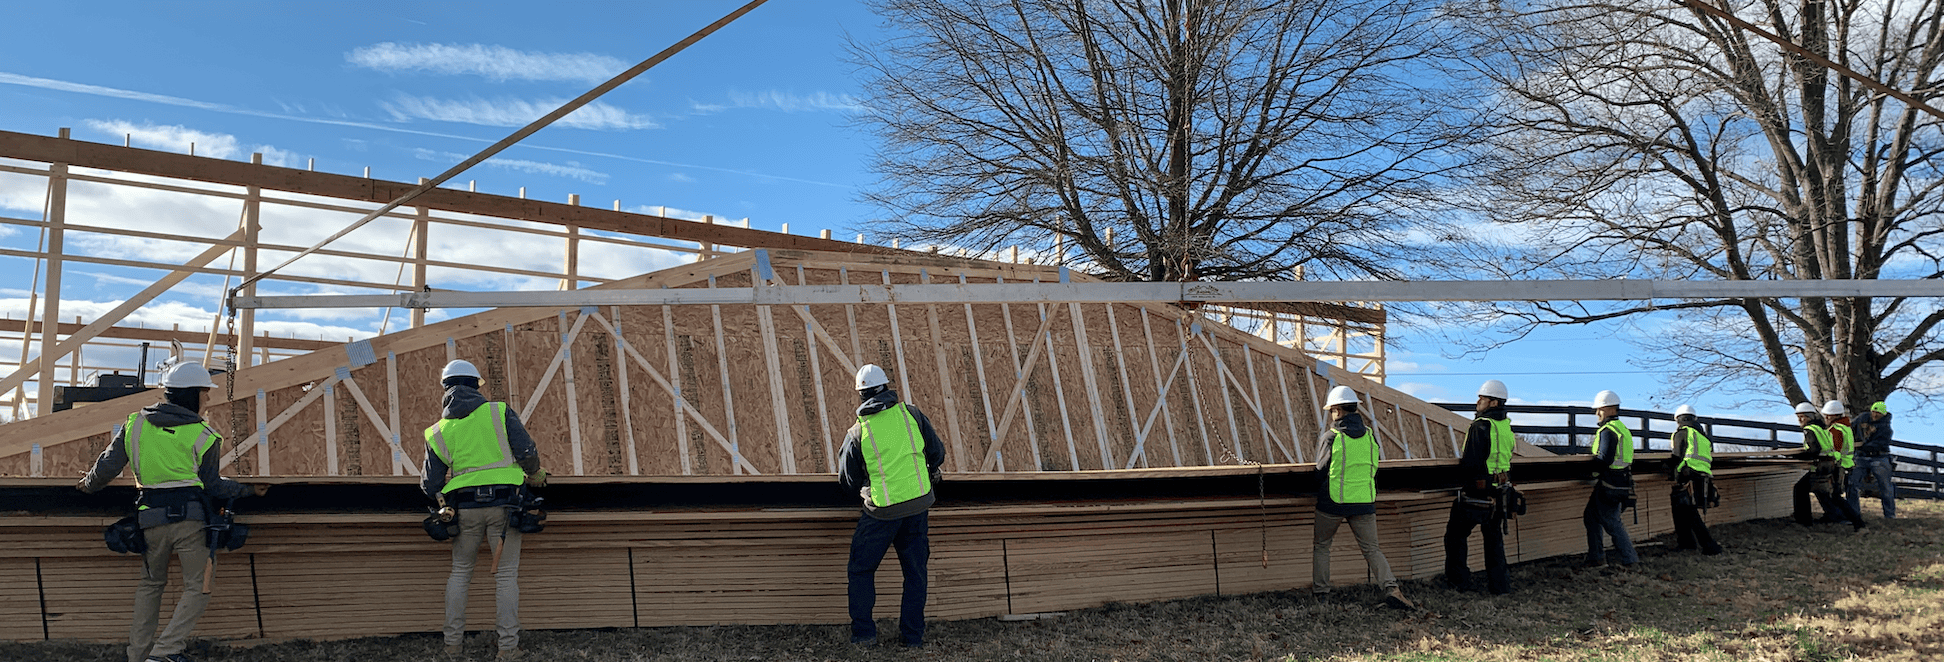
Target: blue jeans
1881,466
1603,513
873,537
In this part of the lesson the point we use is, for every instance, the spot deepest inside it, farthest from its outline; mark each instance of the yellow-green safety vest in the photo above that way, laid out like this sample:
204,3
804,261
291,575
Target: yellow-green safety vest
475,448
894,453
1622,456
1846,446
1700,452
1498,458
166,457
1821,436
1353,468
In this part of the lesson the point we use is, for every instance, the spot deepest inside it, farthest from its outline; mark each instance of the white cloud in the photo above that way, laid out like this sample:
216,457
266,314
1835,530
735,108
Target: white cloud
570,170
1425,392
495,63
789,102
172,138
512,112
83,88
681,178
177,138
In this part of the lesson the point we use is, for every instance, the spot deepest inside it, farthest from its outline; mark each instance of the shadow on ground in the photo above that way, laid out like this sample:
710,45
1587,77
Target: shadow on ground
1782,592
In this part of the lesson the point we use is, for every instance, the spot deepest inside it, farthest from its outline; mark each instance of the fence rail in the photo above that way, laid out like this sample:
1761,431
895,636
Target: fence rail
1917,469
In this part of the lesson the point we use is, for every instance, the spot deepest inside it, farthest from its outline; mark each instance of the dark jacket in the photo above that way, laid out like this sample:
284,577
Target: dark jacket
1812,446
1877,442
854,475
1478,446
1609,451
1351,424
165,415
1678,443
460,401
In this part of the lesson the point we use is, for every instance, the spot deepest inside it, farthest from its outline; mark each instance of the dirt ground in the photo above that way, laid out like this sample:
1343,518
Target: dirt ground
1782,592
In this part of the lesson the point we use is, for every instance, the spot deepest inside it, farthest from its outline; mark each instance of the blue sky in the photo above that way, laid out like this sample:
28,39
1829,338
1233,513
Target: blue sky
752,122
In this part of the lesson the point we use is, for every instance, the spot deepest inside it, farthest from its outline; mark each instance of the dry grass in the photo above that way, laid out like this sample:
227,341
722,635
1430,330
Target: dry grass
1781,593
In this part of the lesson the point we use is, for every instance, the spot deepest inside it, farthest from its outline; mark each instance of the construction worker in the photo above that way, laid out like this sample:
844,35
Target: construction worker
1873,461
1612,487
1843,439
1820,481
891,457
1347,460
1487,464
175,456
1693,478
489,455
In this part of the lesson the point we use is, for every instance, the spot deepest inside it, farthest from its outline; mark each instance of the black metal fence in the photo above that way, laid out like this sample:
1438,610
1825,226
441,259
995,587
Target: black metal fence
1918,470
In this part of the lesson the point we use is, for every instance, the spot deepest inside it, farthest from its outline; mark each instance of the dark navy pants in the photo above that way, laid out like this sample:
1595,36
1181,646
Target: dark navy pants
873,537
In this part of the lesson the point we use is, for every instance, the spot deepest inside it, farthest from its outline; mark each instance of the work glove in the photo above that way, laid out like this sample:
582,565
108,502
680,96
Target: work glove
537,479
82,485
864,492
260,489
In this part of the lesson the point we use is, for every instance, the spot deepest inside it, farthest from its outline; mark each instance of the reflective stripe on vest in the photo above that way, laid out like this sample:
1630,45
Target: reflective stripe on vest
1353,468
1623,455
166,457
475,448
1700,452
1821,436
1844,440
1498,458
894,453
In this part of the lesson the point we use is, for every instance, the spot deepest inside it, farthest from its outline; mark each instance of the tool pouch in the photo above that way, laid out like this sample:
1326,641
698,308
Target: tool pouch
1714,497
440,529
529,515
1514,501
1684,494
125,537
1477,510
232,538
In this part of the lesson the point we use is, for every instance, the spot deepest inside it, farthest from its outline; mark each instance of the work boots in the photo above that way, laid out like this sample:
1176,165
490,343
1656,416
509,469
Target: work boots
1396,600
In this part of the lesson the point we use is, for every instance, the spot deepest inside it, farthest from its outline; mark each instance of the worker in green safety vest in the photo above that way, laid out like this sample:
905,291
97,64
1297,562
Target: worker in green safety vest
1612,487
477,457
1693,475
1820,449
1487,462
1842,439
1346,460
174,455
891,458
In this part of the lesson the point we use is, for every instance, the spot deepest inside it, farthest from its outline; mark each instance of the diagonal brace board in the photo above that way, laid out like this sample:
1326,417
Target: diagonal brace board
666,386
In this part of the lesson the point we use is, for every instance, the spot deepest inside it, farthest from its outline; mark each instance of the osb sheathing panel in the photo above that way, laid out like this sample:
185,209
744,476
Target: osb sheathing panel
1094,383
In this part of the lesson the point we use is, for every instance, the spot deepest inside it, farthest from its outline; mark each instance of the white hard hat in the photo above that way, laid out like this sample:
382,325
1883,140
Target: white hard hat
459,368
1805,408
870,375
1684,410
186,375
1493,388
1341,395
1833,408
1606,399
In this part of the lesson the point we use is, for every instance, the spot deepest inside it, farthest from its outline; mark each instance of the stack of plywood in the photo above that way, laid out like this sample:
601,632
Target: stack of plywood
322,575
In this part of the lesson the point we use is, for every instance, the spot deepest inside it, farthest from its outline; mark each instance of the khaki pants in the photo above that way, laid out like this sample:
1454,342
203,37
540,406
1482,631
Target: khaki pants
183,540
488,525
1365,528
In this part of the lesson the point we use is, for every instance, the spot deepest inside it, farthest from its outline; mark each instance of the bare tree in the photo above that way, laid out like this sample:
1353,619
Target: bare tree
1162,139
1641,138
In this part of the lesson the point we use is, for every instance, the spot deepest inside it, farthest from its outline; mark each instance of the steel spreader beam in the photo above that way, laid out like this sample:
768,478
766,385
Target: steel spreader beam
1204,292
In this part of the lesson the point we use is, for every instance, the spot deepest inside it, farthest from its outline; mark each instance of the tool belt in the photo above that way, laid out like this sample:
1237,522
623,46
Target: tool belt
483,495
439,527
224,532
125,537
528,514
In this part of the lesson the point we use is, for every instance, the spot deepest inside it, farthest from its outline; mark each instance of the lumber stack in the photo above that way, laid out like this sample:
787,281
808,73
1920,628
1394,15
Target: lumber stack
336,575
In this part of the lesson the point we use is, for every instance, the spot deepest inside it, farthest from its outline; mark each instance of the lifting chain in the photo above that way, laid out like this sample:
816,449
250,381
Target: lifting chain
1262,497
